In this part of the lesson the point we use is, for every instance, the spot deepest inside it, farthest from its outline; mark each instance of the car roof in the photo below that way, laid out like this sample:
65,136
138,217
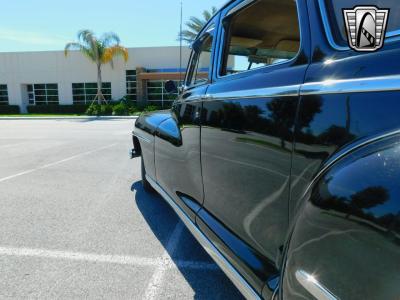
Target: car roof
227,3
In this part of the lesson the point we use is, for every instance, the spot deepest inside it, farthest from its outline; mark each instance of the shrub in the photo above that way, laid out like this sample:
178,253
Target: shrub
106,109
151,108
131,106
9,109
57,109
133,110
93,110
100,110
120,109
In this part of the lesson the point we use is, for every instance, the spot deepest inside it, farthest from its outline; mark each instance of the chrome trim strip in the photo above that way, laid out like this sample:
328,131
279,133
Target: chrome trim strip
222,262
238,7
140,137
391,36
281,91
313,286
361,85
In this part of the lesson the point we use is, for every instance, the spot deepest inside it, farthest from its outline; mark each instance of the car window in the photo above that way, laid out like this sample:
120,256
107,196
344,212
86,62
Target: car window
334,11
200,64
262,34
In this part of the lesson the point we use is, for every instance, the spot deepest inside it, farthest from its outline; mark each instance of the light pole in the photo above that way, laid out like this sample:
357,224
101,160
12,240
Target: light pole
180,46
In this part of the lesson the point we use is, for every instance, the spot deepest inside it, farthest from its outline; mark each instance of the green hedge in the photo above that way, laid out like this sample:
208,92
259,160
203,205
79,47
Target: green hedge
58,109
9,109
117,109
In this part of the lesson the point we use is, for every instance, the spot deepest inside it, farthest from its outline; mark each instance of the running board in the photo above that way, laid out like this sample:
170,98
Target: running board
220,260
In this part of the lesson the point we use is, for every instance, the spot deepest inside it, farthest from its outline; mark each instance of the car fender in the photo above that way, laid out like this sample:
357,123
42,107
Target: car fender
143,135
345,240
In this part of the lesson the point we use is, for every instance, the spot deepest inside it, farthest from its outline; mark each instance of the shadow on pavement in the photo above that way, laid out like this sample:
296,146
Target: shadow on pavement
206,284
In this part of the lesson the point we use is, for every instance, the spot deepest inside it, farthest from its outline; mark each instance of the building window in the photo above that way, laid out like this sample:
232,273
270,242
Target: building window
157,94
3,94
85,93
131,85
43,93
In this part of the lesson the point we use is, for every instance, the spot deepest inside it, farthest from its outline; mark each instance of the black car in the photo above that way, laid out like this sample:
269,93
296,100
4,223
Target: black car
282,155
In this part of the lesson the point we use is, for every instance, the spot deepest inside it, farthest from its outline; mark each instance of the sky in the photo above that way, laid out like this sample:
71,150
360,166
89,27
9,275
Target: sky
43,25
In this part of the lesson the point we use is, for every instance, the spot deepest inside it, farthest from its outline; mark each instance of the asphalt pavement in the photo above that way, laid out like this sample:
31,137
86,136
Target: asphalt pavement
76,223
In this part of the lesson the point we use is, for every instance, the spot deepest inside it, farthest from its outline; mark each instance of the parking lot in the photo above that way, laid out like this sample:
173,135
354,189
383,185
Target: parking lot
76,223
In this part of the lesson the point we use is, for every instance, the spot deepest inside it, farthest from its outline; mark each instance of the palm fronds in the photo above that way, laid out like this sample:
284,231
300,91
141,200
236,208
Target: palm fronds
195,25
114,51
99,50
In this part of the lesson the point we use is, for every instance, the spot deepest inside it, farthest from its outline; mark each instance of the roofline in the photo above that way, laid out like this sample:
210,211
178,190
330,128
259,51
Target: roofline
227,3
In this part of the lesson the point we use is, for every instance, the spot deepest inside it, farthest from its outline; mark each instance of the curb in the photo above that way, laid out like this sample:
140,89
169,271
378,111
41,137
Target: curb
72,118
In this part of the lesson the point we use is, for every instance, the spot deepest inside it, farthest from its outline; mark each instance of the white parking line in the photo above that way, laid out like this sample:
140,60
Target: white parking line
55,163
11,145
157,278
79,256
164,262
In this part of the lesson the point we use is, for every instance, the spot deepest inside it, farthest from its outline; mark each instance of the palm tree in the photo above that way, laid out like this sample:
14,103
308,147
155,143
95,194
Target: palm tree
100,51
195,25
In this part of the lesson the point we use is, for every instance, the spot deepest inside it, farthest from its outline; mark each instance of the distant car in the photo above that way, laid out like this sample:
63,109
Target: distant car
282,155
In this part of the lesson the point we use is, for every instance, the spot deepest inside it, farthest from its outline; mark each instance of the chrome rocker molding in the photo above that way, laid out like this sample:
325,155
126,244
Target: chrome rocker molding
221,261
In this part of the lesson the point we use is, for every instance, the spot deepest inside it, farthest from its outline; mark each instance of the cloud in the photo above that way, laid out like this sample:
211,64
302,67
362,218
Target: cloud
32,38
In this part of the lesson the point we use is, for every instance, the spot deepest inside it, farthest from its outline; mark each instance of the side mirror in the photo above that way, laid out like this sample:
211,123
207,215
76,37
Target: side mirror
171,87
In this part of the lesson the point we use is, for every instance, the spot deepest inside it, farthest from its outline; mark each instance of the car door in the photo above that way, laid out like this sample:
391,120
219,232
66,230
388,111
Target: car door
247,132
177,142
344,173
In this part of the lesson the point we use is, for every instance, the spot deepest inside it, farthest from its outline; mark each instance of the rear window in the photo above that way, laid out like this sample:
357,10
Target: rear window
262,34
335,15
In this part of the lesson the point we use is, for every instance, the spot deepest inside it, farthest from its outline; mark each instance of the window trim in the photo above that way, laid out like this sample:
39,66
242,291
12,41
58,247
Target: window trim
391,36
128,81
7,96
210,29
45,95
162,96
238,7
223,38
85,94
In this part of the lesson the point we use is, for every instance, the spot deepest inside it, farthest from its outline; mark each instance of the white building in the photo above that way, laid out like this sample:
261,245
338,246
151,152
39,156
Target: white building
37,78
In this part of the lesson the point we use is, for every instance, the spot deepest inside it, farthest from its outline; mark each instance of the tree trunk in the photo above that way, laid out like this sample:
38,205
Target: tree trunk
99,96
